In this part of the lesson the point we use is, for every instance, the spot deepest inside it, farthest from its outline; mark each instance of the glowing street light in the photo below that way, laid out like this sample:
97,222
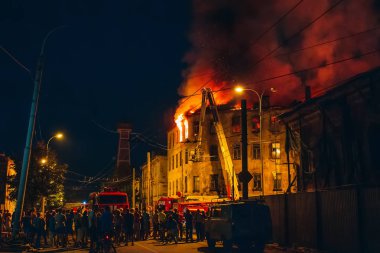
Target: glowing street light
240,90
59,136
43,161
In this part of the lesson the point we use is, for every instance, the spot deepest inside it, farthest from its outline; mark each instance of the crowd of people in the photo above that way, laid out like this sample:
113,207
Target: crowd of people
86,227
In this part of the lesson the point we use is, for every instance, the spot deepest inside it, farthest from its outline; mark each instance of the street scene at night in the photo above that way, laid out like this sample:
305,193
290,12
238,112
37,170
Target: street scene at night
138,126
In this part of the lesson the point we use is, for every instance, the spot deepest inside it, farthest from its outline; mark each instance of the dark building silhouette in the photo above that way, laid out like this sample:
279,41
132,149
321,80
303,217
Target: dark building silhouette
334,138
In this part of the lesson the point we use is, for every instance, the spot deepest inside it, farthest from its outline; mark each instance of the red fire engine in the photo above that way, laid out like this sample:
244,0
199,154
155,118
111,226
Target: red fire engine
110,197
182,204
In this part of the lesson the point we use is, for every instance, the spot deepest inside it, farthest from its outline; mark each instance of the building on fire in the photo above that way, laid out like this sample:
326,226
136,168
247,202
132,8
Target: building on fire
190,178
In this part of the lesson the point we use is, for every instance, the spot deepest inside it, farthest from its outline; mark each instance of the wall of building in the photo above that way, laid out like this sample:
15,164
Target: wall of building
339,133
157,181
7,170
206,178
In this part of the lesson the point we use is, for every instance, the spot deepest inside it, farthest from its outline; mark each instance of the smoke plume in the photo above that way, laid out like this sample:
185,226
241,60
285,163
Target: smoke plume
232,43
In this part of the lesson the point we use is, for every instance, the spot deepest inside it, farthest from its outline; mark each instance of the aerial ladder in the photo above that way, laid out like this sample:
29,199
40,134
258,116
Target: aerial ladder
226,160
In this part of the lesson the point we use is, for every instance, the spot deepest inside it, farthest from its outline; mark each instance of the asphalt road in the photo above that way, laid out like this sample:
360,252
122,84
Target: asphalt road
153,246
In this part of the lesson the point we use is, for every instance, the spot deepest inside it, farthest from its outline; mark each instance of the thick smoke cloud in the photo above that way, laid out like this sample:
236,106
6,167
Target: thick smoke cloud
227,47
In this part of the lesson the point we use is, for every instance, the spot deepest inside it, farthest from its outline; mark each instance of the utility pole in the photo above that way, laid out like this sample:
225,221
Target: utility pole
244,175
133,188
148,177
27,149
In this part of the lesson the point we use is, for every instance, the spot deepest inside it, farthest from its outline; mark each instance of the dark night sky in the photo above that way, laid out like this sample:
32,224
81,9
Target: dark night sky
115,61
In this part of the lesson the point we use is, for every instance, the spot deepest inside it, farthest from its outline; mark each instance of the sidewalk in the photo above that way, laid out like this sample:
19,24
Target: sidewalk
27,248
279,248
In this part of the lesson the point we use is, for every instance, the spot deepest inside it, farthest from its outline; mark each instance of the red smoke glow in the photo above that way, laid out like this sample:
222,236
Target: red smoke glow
226,48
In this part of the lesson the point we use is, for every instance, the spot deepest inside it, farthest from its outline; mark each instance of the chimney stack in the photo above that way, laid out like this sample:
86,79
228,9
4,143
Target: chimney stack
265,102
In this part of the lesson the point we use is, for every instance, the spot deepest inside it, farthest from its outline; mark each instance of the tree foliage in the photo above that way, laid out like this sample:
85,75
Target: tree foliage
44,180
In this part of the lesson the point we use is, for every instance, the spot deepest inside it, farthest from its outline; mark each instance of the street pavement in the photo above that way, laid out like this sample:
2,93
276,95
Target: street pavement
153,246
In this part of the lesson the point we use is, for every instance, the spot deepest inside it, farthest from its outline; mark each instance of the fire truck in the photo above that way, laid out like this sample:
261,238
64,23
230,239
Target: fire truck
110,197
191,203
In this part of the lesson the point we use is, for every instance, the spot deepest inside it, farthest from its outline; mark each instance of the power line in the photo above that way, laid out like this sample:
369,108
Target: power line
15,60
277,22
303,70
258,37
317,67
330,41
104,128
188,97
300,31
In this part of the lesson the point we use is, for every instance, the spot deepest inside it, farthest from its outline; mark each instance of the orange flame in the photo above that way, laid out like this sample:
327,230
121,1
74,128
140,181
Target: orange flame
178,121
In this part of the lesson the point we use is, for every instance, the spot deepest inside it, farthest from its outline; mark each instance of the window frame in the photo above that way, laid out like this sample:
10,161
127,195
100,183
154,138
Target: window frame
275,150
236,124
236,151
214,152
255,179
256,151
214,182
196,184
277,181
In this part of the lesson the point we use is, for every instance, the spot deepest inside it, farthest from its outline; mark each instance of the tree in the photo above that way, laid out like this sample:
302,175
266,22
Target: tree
44,179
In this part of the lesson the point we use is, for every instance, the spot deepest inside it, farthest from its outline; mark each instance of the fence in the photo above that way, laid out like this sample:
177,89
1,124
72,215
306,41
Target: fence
338,221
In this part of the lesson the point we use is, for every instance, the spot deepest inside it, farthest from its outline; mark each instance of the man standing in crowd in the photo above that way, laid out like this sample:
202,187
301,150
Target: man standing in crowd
60,221
128,226
189,225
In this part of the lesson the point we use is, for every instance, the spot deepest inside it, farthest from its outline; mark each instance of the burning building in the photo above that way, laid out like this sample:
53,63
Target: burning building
189,176
299,48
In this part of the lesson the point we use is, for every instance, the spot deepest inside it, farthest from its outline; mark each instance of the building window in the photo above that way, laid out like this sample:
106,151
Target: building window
169,142
277,182
180,158
195,127
176,186
172,139
176,160
213,152
256,181
214,184
169,187
274,124
236,126
275,154
196,187
212,128
185,183
186,156
256,124
256,151
236,151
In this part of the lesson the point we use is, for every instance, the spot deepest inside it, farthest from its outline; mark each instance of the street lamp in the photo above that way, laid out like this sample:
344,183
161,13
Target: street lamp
240,89
46,160
58,136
